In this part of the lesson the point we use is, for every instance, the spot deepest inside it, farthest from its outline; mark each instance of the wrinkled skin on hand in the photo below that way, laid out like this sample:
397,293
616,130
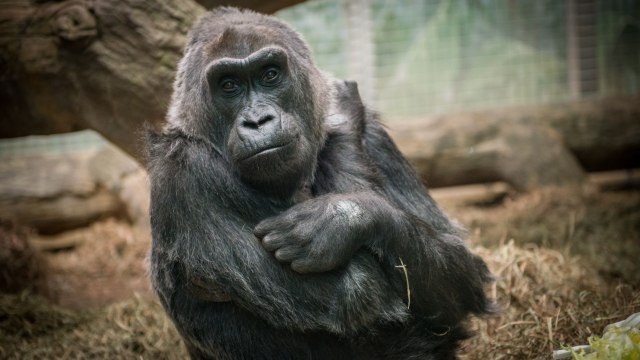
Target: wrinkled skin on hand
316,235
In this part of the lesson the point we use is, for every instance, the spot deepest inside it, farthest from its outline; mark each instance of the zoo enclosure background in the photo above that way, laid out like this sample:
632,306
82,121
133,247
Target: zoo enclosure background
439,56
414,58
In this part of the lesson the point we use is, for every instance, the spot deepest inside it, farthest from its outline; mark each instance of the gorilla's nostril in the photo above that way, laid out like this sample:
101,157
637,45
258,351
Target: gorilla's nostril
265,119
257,122
250,124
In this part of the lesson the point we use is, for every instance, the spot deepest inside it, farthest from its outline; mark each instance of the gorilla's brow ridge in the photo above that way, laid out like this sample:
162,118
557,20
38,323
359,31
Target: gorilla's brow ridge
258,59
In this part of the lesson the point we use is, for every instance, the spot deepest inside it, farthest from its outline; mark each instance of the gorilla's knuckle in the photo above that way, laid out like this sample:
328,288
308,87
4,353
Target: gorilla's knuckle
280,254
302,267
271,241
286,254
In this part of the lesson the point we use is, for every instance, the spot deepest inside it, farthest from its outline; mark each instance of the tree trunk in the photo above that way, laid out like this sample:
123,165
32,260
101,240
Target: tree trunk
267,7
107,65
54,193
526,147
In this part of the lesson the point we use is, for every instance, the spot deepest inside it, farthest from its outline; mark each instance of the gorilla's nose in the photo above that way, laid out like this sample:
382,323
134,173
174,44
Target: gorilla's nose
255,122
258,125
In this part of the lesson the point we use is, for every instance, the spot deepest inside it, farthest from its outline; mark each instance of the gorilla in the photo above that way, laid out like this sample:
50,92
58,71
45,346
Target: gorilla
286,224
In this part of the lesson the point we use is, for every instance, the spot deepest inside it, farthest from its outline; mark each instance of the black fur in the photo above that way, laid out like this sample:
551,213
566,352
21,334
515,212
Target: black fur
293,252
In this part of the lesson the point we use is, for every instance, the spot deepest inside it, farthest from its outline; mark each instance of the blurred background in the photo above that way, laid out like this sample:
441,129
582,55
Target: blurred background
417,58
421,58
524,116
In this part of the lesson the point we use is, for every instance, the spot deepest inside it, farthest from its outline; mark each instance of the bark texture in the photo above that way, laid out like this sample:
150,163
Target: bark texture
109,65
106,65
526,147
54,193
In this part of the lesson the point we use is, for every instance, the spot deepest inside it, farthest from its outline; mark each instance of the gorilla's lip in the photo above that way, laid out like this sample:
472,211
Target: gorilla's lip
266,150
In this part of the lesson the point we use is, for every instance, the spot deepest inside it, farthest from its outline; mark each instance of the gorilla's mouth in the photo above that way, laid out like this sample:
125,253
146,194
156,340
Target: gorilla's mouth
267,151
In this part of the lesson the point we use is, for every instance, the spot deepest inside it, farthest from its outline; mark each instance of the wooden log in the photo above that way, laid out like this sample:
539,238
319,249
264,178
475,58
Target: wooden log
66,240
54,193
267,7
527,147
106,65
65,191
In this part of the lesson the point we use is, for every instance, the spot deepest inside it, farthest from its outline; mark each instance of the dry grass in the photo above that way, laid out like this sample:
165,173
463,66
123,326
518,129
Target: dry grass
549,300
20,263
566,264
31,328
109,265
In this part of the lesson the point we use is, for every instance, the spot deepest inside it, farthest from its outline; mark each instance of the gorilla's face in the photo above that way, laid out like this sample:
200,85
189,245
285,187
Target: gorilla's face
266,136
252,90
272,135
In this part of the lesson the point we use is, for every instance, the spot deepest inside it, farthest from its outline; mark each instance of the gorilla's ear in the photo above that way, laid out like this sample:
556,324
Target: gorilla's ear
348,96
347,107
351,91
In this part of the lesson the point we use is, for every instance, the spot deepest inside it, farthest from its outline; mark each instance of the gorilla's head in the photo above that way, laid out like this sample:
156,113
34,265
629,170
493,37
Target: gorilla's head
248,85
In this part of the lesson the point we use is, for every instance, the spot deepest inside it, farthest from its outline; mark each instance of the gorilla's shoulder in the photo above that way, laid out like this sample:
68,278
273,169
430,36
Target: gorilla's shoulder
174,146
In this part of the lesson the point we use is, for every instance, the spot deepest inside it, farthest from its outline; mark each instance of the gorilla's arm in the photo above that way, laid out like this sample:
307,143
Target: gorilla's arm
368,195
446,280
202,220
396,220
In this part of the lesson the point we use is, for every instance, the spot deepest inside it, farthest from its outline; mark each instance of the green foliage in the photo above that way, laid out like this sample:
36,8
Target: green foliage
621,343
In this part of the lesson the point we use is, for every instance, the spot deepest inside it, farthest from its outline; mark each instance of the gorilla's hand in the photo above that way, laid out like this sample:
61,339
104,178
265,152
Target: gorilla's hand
317,235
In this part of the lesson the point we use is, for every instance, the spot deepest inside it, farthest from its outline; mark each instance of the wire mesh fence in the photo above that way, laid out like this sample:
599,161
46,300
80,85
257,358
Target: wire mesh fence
432,57
439,56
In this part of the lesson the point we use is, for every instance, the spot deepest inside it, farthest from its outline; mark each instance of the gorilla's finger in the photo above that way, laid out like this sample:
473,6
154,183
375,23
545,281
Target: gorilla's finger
264,227
301,266
289,253
306,265
261,230
273,241
279,223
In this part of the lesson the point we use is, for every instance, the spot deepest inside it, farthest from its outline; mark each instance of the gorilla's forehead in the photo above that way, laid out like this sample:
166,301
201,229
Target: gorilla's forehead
240,41
268,55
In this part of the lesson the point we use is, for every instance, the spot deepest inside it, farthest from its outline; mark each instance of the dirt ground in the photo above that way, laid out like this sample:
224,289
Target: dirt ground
566,264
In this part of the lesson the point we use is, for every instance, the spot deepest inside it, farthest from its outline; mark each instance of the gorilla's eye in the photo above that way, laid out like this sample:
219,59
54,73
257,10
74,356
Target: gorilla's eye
270,75
229,85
